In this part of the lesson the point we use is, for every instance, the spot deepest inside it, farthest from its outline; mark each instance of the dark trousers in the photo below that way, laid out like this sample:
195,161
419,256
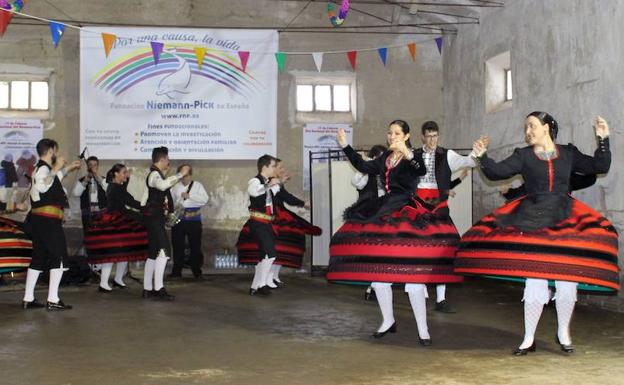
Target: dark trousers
179,233
263,234
48,240
156,234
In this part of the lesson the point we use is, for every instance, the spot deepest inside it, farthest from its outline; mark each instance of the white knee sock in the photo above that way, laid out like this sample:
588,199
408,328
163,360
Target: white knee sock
148,275
31,281
417,293
105,273
440,293
256,284
120,271
55,282
536,295
267,277
565,299
383,292
275,270
159,270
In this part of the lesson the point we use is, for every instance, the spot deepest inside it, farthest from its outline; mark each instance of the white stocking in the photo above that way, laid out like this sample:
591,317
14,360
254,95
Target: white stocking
148,275
383,292
31,281
536,295
565,299
417,293
120,271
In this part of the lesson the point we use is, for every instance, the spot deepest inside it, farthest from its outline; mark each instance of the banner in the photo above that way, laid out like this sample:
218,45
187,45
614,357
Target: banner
142,96
318,137
18,139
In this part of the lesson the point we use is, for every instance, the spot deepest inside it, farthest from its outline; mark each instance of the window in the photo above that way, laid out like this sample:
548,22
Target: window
508,89
24,95
323,98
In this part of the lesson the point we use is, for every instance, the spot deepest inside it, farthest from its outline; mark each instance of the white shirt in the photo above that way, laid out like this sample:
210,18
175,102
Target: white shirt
198,196
156,181
255,188
455,162
43,179
81,186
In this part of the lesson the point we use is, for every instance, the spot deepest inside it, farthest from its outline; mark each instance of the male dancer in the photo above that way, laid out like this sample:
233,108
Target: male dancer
47,199
153,203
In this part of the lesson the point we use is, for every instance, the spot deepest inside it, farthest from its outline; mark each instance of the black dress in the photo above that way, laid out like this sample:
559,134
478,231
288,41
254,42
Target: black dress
545,234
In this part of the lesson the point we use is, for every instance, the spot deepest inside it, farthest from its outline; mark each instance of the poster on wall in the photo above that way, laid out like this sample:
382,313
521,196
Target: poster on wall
18,141
203,93
318,137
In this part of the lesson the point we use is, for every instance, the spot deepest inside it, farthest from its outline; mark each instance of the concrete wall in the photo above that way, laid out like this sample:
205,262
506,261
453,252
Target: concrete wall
567,58
403,90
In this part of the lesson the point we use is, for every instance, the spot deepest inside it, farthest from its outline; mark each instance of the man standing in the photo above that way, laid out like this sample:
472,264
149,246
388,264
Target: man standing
91,189
156,198
434,187
192,196
47,199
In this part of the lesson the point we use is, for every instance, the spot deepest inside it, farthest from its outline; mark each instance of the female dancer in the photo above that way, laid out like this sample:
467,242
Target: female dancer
386,240
116,235
545,235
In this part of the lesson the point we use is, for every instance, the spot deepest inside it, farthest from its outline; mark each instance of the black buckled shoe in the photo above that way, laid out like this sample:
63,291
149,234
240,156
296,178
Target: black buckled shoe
54,306
524,352
279,284
565,348
444,307
264,290
148,293
162,295
424,342
103,290
32,305
119,286
391,329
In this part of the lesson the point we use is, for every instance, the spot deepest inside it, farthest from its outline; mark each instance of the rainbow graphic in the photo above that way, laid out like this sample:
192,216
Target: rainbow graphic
139,65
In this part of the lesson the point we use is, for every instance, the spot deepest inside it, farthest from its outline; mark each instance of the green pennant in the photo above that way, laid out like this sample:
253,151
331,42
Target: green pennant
281,60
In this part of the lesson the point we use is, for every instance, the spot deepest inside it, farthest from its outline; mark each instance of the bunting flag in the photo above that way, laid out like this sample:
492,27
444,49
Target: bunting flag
57,30
318,60
108,39
281,60
157,49
200,52
352,55
438,41
383,52
244,58
5,18
412,50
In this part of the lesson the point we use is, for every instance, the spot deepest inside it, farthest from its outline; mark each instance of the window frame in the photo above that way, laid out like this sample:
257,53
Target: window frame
30,81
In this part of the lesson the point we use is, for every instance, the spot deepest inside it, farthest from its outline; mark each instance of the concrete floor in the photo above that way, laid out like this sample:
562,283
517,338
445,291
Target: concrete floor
308,333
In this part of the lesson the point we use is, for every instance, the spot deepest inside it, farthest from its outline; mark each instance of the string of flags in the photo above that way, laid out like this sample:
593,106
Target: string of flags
8,8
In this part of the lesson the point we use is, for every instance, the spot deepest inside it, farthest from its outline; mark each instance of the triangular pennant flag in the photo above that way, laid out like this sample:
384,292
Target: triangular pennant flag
412,50
244,58
318,60
281,60
352,55
200,52
57,30
108,40
157,49
438,41
383,52
5,19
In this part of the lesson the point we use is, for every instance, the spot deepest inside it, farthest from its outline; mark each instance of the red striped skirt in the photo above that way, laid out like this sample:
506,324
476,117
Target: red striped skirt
15,246
113,237
290,231
582,248
415,244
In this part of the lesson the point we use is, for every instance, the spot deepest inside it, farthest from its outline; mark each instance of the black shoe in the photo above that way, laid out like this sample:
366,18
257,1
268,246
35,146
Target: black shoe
32,305
148,293
426,342
53,306
163,295
369,295
102,290
174,276
279,284
564,348
444,307
253,291
115,284
264,290
524,352
391,329
198,277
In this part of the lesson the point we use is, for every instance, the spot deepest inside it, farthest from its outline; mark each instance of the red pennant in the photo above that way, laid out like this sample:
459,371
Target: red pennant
412,50
244,57
5,19
352,55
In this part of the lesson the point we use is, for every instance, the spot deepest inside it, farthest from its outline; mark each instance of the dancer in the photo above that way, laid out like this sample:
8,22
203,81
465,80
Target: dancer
546,235
153,203
386,240
91,189
47,199
115,235
15,243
